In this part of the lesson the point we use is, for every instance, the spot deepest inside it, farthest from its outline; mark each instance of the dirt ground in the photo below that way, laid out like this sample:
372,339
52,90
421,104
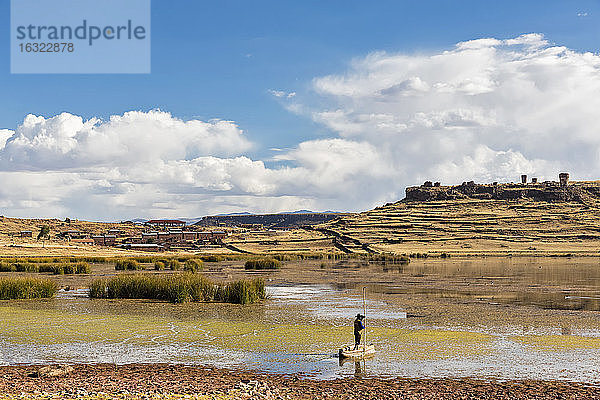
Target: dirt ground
169,381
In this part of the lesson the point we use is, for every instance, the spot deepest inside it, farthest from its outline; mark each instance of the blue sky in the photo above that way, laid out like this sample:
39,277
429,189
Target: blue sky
220,59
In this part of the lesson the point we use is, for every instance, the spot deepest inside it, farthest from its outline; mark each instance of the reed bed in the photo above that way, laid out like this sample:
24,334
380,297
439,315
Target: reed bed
27,288
60,268
263,263
193,265
55,260
127,264
178,288
390,258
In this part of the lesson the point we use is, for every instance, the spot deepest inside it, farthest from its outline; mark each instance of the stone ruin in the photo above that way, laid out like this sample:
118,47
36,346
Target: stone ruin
563,190
563,178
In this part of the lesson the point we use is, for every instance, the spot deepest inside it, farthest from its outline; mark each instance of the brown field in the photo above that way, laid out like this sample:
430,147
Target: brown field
474,227
457,227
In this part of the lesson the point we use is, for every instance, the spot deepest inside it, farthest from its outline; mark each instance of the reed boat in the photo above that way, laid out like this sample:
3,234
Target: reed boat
363,351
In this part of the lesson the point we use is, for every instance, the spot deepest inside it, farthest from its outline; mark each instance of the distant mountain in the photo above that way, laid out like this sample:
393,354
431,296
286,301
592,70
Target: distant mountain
274,221
234,214
190,221
194,221
310,212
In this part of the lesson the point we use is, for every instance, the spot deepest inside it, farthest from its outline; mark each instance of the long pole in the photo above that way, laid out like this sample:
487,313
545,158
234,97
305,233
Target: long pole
365,314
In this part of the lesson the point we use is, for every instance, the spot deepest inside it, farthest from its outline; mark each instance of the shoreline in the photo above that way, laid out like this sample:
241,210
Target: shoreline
132,381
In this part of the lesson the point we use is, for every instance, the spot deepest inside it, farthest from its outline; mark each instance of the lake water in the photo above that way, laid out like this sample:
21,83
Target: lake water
500,318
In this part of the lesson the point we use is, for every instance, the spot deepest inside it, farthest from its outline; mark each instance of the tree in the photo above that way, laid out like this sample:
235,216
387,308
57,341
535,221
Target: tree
44,234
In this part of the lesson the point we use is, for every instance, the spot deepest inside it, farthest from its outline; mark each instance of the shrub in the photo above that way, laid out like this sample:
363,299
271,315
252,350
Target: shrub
193,265
127,264
263,263
26,288
177,288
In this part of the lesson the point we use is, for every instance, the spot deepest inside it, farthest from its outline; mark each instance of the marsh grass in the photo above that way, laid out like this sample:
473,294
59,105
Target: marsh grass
159,265
392,258
193,265
56,260
59,268
174,265
263,263
69,268
26,288
128,264
178,288
212,258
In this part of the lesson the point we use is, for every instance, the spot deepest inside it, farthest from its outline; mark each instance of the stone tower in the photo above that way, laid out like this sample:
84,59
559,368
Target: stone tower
563,178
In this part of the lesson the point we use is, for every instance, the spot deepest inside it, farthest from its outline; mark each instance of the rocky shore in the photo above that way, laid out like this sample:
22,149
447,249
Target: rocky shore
142,381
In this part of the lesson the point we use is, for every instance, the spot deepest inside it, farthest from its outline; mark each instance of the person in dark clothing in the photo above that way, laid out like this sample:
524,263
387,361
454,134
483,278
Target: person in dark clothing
358,326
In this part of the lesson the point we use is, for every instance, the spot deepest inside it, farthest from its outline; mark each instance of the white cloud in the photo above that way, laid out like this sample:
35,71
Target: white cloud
67,140
281,94
5,134
487,109
484,110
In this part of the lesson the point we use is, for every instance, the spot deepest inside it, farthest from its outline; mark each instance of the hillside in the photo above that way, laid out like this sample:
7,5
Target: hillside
527,218
538,219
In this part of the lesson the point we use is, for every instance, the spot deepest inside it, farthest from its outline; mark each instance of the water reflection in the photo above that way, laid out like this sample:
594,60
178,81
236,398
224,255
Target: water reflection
548,283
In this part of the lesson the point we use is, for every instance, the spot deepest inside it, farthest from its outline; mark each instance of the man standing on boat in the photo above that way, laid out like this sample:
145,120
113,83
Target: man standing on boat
358,326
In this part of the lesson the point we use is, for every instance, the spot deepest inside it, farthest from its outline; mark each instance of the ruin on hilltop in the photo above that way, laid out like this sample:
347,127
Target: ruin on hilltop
550,191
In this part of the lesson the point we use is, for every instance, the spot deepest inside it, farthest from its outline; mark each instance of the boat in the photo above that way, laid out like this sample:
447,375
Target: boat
363,351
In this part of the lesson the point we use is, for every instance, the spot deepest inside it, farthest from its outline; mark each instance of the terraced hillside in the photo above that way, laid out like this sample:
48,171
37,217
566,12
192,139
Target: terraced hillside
472,226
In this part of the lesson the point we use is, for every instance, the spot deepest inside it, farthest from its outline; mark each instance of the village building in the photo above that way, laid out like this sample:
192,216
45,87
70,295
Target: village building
72,234
142,246
165,223
88,241
104,240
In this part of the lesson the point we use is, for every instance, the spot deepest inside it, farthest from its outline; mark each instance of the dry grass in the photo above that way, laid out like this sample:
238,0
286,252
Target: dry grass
26,288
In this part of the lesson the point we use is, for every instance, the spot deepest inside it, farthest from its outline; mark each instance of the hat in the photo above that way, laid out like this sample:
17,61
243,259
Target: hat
359,316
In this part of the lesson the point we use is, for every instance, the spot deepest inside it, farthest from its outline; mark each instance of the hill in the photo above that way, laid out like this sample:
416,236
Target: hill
528,218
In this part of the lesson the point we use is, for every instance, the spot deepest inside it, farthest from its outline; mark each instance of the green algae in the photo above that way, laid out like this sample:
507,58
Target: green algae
558,342
44,327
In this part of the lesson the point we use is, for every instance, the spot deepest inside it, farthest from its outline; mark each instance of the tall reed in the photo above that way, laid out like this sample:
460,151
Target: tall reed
177,288
263,263
127,264
26,288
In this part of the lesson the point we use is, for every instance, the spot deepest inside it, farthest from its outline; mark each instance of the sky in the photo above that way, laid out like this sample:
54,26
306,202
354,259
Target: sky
272,106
